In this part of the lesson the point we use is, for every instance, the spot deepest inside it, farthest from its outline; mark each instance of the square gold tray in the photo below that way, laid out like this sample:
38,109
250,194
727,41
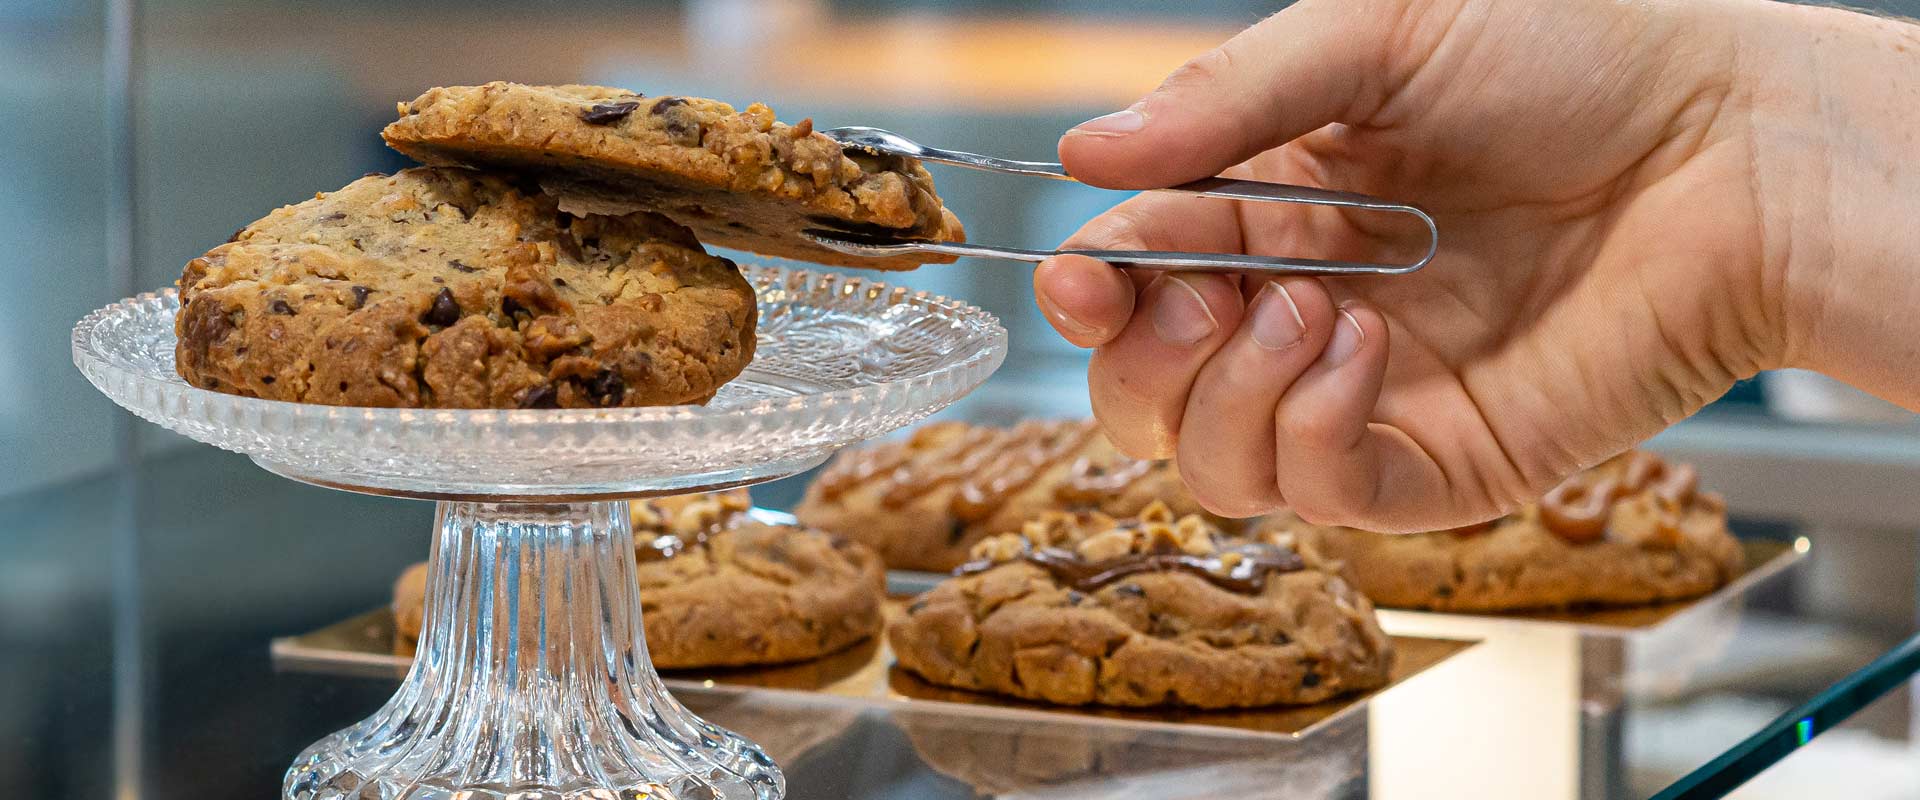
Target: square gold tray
865,673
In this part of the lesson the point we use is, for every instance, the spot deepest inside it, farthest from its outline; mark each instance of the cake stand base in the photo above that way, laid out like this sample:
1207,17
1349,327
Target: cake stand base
532,680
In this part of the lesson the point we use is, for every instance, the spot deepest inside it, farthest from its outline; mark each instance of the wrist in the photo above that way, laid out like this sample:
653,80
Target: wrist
1834,125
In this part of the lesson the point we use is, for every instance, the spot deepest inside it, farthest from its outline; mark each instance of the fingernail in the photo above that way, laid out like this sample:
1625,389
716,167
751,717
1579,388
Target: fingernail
1277,324
1060,318
1347,338
1180,315
1114,124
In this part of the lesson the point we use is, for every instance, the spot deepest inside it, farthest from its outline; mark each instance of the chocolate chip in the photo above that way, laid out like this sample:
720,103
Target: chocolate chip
510,307
1443,591
1130,590
660,106
1281,639
280,307
559,281
916,606
236,235
1310,680
444,311
1075,598
542,396
606,388
382,174
608,113
956,531
455,263
360,295
267,379
337,215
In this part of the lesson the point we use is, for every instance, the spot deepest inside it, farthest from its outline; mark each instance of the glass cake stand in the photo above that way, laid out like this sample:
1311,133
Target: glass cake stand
532,680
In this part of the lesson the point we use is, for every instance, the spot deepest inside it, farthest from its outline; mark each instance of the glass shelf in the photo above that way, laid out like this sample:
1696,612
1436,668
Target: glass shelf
162,649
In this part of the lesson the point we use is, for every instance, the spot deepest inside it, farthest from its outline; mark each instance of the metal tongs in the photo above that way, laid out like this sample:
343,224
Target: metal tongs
880,142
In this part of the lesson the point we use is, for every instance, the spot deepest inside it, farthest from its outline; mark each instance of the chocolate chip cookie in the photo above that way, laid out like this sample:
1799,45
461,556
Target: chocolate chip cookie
448,288
1633,530
740,179
1154,611
925,501
720,589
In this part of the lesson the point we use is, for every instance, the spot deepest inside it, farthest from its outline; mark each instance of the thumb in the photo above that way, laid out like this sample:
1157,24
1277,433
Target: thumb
1314,63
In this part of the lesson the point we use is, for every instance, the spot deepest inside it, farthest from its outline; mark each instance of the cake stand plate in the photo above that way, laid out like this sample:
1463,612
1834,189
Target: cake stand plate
532,680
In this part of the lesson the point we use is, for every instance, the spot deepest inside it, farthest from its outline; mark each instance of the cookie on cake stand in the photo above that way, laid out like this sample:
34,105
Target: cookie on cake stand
514,693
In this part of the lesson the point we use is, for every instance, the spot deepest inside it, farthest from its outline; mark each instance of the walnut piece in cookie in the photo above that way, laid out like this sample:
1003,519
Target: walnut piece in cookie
1083,608
440,287
739,178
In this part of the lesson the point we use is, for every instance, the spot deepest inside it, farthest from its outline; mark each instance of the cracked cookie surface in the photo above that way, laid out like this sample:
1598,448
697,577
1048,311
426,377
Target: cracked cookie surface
924,501
1631,531
719,589
447,288
1105,631
739,178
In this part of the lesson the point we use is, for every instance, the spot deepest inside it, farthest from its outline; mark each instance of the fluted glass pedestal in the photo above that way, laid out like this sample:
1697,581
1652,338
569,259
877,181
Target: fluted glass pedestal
533,680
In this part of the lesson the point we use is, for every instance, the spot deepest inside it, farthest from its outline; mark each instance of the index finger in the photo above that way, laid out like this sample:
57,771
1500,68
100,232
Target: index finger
1089,301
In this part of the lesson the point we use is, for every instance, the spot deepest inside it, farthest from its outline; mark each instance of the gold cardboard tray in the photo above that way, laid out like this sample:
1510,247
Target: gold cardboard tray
865,673
1766,560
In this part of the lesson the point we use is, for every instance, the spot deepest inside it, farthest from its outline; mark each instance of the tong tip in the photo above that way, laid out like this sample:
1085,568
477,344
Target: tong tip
858,244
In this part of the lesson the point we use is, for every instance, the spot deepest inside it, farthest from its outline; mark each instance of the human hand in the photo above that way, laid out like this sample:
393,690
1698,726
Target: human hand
1610,258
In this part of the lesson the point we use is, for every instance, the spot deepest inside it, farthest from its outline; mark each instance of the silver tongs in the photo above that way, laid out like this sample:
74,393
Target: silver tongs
880,142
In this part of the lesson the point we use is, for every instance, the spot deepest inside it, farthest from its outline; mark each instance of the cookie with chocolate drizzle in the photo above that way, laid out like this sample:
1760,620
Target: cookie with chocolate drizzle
1636,529
925,501
1158,610
718,588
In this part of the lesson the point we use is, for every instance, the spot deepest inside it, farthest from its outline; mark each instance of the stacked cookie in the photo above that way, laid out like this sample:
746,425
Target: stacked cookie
547,259
718,588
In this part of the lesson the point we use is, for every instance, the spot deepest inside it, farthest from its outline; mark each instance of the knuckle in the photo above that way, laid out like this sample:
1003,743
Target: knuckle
1201,70
1109,231
1219,492
1219,500
1132,440
1316,509
1310,431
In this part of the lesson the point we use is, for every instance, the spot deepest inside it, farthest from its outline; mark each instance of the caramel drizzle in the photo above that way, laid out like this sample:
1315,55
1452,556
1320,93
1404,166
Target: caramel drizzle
989,465
909,482
1578,509
1088,482
1257,561
1011,470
